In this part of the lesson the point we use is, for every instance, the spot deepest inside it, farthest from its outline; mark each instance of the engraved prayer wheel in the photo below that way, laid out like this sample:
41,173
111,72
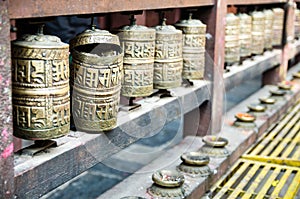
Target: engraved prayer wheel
258,32
40,87
245,35
168,57
138,44
269,15
193,48
232,41
297,23
96,76
278,26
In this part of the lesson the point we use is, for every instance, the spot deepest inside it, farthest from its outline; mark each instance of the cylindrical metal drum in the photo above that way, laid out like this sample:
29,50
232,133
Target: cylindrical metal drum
40,87
232,42
278,26
168,57
193,48
96,75
138,43
258,32
245,35
297,23
268,29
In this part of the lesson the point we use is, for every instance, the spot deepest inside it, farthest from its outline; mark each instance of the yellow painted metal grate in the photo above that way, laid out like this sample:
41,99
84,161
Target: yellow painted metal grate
281,144
249,179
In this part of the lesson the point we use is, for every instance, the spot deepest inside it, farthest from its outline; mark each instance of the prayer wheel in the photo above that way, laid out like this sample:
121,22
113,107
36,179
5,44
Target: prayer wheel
168,57
96,76
245,35
193,48
258,32
278,26
40,87
232,41
269,16
138,44
297,23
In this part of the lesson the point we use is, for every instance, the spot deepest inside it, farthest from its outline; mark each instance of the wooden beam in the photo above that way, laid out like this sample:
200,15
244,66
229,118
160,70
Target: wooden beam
6,130
41,8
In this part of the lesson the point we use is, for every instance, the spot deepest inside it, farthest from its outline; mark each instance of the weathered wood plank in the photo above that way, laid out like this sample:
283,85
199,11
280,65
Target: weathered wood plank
41,8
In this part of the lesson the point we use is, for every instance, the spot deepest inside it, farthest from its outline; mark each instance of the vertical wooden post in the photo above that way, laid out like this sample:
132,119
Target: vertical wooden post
288,37
6,130
216,52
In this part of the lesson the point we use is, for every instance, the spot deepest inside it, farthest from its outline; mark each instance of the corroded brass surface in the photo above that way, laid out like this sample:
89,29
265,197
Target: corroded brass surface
193,48
258,32
244,125
232,42
96,75
269,16
168,62
168,178
278,26
40,82
138,44
297,23
245,35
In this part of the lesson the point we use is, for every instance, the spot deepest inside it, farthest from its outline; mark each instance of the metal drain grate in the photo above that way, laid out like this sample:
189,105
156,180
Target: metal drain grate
249,179
281,144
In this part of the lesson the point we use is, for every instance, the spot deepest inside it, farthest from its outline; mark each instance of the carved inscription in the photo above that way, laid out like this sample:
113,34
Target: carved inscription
168,50
35,73
89,77
46,113
134,49
194,40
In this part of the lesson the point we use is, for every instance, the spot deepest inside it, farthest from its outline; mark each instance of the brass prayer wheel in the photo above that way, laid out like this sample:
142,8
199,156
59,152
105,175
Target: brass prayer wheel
168,57
269,15
278,26
258,32
96,76
232,42
138,44
40,87
297,23
193,48
245,35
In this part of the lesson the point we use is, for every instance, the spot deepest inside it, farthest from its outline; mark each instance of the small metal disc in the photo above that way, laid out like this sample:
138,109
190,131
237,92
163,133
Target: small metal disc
278,92
245,117
296,75
257,107
194,158
215,141
168,178
284,85
267,100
